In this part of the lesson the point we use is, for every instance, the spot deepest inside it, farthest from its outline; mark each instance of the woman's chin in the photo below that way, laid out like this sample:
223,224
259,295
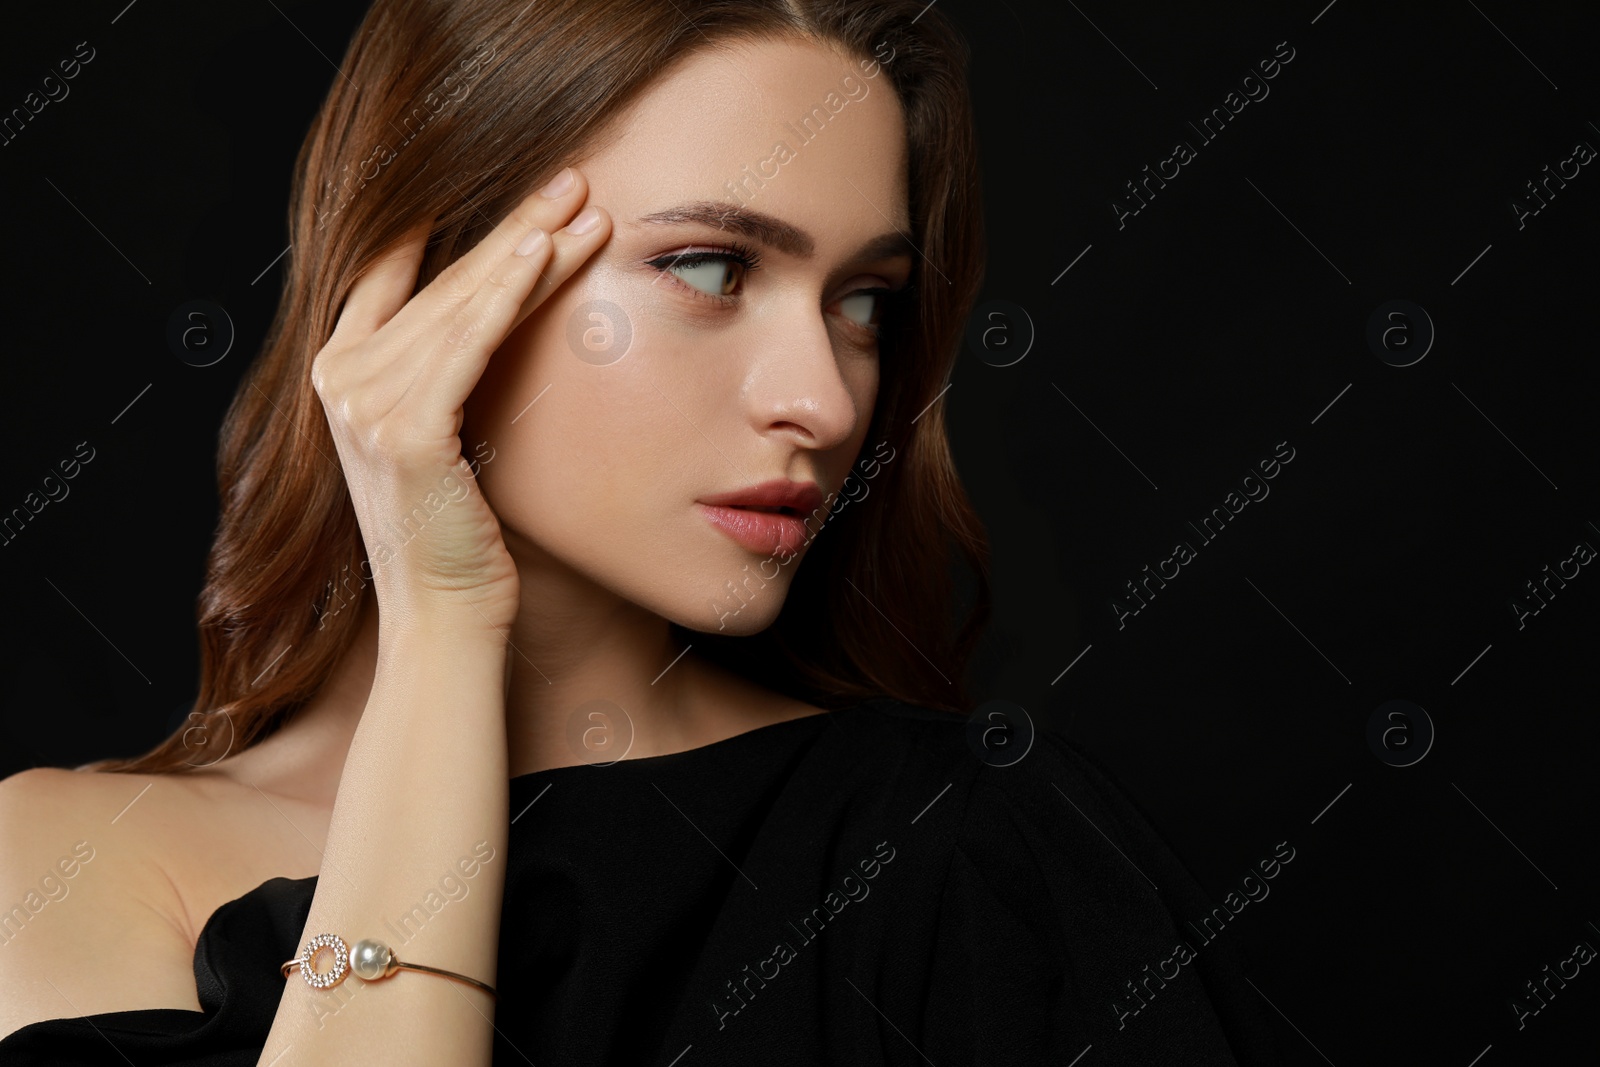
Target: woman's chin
733,618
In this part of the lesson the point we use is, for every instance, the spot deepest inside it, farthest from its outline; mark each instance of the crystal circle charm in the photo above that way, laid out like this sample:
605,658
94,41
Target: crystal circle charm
341,961
370,959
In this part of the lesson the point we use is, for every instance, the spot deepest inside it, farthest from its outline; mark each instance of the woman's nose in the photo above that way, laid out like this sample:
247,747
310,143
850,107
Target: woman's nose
799,386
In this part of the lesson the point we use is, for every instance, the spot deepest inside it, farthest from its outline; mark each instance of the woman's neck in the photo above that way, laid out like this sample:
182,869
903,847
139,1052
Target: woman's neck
605,688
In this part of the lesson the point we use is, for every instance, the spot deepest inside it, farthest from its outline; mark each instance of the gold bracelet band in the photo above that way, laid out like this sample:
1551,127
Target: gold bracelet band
369,959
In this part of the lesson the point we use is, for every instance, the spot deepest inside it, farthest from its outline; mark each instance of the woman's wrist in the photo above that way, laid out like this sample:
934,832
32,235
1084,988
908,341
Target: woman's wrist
438,652
423,625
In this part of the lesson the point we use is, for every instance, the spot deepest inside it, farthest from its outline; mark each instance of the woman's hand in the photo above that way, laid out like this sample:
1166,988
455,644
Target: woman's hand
393,380
426,775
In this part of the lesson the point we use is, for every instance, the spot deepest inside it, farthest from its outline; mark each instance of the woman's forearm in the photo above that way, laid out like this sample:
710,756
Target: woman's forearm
425,786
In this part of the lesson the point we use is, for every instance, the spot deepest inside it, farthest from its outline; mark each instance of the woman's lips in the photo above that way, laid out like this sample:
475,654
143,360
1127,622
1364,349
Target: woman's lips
767,532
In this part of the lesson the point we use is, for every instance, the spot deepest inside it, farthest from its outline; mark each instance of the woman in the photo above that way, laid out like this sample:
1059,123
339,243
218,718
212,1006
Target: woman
495,668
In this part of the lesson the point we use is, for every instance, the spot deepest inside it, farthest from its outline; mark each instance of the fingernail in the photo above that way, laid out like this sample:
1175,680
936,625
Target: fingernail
560,185
531,243
587,220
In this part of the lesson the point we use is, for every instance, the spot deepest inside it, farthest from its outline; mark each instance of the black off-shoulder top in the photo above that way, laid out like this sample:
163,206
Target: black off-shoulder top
851,888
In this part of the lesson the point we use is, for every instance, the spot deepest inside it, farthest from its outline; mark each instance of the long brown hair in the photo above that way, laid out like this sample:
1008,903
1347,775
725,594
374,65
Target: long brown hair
455,110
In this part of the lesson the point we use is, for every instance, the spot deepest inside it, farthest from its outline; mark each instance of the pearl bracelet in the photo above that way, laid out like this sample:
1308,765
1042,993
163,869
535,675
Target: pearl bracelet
370,959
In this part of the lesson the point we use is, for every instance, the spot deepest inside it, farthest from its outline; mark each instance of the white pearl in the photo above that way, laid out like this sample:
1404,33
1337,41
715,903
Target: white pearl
369,959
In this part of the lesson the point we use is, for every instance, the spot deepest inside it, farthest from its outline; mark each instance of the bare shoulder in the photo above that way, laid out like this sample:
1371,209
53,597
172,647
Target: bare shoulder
86,921
92,917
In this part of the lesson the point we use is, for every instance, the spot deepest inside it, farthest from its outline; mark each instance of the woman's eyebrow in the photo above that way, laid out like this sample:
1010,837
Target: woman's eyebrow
771,231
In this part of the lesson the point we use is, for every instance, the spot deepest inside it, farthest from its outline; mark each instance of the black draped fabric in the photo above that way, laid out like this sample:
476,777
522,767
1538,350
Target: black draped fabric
849,888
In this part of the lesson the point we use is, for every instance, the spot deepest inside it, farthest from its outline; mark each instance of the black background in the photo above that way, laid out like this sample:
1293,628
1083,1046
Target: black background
1228,315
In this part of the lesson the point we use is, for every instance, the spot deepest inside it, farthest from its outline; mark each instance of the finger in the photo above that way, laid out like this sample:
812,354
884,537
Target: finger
454,361
495,311
383,289
458,282
488,319
572,250
441,326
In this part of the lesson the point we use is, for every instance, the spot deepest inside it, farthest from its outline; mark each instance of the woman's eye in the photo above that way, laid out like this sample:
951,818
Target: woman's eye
715,275
862,308
711,275
719,276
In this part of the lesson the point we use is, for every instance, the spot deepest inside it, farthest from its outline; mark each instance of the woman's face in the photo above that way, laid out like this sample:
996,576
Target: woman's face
654,378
